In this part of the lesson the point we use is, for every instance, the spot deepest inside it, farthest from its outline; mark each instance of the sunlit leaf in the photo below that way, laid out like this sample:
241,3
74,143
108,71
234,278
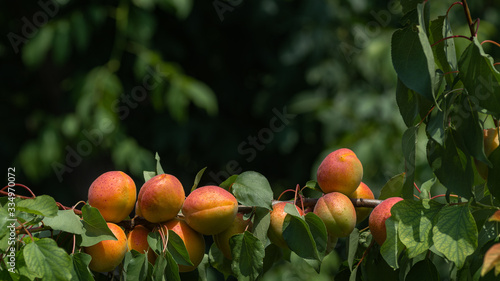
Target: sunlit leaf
455,233
491,259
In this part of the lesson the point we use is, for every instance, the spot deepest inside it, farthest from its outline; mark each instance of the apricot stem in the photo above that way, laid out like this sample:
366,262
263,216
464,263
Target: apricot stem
450,37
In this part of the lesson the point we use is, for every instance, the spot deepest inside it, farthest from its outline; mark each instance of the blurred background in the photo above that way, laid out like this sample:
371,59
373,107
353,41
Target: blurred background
264,85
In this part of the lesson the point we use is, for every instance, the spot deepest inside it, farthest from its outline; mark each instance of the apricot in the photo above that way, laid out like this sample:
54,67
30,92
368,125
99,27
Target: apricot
137,239
340,171
108,254
275,231
337,212
137,209
161,198
210,209
491,142
238,226
364,192
113,194
377,219
193,240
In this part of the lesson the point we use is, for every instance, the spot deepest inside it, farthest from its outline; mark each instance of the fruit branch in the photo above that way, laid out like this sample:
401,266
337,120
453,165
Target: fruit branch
469,18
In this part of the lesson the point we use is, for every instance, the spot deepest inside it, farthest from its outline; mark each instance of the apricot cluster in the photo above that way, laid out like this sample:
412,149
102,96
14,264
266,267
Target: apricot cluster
208,210
213,211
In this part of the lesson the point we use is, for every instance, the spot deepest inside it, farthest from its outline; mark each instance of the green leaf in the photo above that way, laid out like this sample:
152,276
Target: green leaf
415,222
273,254
298,237
136,266
228,182
219,262
159,169
155,242
494,174
318,232
81,29
444,52
201,95
172,270
96,229
480,77
455,233
435,127
66,220
42,205
253,189
352,248
177,248
392,246
35,51
248,255
148,175
46,259
468,127
413,60
409,142
198,178
393,187
451,165
261,221
80,270
409,5
62,41
408,103
312,184
159,268
423,268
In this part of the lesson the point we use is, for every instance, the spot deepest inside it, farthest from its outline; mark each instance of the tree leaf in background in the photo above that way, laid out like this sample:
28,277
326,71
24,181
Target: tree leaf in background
36,49
62,41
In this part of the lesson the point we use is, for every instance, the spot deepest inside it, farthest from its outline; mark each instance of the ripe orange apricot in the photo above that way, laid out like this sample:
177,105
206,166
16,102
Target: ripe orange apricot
161,198
222,239
194,242
108,254
378,217
137,239
113,194
363,191
275,231
491,142
340,171
337,212
210,209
